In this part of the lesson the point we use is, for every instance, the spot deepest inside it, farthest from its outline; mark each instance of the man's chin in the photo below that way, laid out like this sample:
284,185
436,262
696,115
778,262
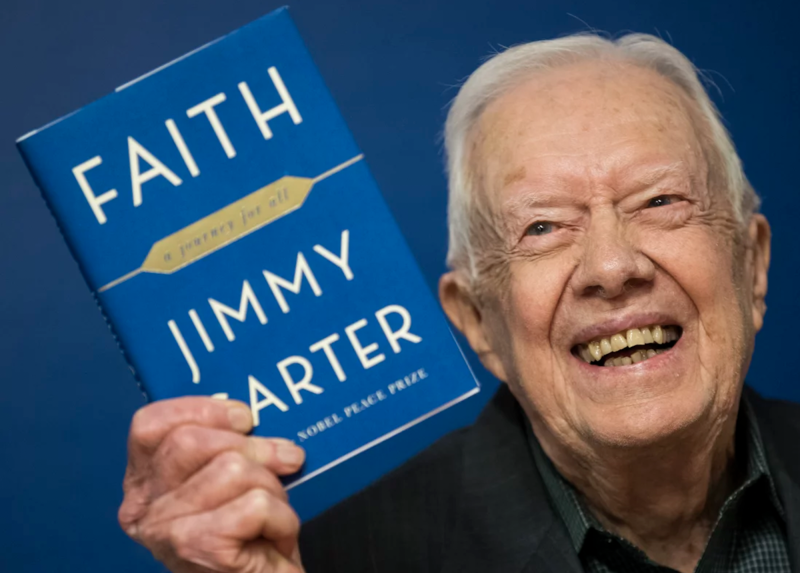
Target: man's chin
642,424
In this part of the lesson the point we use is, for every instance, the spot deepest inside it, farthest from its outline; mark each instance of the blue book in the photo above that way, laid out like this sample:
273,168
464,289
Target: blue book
238,247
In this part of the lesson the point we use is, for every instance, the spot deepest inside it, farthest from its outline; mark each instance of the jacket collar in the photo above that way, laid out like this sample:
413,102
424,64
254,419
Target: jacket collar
505,521
779,424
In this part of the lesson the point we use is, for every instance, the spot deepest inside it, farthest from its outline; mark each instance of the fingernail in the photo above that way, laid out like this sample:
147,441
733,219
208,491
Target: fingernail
290,454
240,417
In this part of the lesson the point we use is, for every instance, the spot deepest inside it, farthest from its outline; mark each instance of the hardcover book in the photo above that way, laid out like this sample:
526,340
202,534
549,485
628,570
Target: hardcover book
238,247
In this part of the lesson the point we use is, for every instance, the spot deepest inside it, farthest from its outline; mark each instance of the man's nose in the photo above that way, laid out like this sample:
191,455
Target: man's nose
611,262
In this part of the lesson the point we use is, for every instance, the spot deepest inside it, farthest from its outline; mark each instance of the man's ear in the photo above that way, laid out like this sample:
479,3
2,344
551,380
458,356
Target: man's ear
759,235
463,311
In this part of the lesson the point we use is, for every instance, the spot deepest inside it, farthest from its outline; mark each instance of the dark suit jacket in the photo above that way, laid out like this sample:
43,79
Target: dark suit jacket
474,502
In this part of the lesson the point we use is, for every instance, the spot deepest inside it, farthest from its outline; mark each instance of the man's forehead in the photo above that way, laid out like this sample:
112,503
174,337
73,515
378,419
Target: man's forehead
587,113
588,91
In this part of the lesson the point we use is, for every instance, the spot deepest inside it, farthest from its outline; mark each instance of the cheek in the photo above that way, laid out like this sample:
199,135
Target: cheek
697,260
700,263
538,378
535,290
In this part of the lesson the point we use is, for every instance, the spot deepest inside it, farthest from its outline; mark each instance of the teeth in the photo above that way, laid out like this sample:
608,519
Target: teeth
595,350
658,334
618,342
634,337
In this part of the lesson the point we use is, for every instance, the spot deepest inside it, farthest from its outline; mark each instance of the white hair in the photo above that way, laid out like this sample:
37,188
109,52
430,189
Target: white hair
508,69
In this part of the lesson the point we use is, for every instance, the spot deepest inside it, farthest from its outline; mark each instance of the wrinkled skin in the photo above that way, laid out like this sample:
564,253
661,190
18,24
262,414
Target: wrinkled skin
607,156
202,496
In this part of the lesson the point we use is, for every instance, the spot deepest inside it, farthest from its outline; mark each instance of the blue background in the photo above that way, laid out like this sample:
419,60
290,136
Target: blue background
67,397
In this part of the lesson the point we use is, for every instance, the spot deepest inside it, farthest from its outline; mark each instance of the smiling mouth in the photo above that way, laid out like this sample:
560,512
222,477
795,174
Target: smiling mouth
628,346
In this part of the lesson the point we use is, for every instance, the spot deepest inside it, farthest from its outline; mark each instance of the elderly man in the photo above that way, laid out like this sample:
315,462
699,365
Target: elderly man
609,265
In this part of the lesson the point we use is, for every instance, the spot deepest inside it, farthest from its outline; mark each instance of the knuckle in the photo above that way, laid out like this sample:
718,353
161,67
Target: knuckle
125,515
183,438
142,425
150,534
233,464
228,562
157,538
134,508
208,409
205,411
182,542
126,520
260,501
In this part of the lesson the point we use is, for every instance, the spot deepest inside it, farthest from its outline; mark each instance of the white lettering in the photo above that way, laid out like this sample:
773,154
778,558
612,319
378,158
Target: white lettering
220,310
302,269
257,405
186,155
207,107
394,335
187,354
342,261
94,201
136,151
262,117
325,346
361,351
304,384
201,330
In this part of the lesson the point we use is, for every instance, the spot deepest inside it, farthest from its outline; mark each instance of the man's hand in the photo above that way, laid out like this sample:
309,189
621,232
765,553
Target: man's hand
203,496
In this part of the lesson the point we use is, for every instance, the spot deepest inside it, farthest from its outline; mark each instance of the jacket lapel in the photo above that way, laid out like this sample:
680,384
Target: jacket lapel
505,521
789,491
779,424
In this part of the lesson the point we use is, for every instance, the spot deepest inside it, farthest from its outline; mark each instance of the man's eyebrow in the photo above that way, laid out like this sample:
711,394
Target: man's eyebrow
527,201
643,179
653,175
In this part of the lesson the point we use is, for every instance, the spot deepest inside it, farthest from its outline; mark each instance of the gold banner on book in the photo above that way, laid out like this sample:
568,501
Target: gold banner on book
226,225
229,224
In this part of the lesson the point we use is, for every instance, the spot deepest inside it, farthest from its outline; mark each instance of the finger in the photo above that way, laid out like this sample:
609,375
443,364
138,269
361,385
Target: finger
185,451
188,448
224,479
149,427
219,538
259,555
152,423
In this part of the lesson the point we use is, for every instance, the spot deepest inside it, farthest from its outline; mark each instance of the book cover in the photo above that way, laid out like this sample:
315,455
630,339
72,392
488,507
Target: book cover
238,247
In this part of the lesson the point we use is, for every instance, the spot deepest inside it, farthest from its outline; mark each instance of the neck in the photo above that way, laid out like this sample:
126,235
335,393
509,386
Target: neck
664,498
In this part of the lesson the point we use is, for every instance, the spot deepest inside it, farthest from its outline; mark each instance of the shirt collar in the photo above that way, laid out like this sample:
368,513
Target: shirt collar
579,520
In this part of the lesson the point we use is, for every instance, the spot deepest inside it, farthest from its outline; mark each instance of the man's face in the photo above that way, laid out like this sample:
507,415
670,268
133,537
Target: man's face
600,190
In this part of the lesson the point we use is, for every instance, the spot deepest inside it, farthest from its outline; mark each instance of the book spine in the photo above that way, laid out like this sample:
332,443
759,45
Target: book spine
76,256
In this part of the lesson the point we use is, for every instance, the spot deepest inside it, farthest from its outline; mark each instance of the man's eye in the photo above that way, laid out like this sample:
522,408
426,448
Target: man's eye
661,201
540,228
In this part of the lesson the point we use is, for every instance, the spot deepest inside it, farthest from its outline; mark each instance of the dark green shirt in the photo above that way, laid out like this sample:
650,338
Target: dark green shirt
748,537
